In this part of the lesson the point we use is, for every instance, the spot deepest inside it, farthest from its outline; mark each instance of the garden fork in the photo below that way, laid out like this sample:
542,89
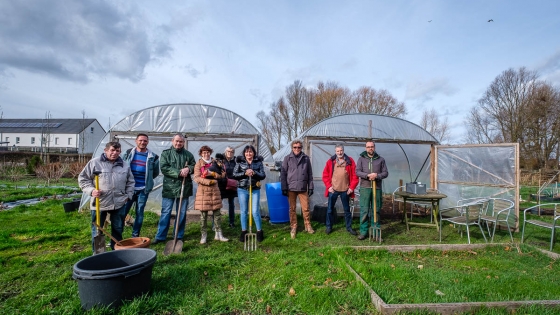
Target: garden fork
374,229
250,238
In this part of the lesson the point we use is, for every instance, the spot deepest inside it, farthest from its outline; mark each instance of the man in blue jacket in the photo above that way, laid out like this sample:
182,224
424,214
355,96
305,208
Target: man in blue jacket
144,165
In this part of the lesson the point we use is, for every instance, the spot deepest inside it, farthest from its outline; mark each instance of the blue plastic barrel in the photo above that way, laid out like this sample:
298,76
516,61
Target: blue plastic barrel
278,206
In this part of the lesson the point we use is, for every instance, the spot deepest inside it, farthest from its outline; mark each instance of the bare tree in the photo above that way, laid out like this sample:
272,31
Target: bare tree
301,108
517,107
51,171
437,128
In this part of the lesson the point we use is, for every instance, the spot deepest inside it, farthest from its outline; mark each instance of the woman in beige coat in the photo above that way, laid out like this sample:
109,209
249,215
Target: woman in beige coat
206,174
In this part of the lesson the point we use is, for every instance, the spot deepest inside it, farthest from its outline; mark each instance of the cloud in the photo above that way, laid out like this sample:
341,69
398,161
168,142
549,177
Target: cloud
192,71
78,40
550,64
427,90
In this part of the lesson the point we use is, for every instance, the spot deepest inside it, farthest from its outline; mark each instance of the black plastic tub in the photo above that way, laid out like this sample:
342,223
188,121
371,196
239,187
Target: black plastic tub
71,206
109,278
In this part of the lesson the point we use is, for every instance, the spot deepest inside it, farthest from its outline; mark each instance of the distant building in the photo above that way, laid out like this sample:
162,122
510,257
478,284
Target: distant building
52,135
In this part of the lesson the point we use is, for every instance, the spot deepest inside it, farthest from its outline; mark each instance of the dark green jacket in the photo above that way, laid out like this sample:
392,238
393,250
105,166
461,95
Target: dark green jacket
171,162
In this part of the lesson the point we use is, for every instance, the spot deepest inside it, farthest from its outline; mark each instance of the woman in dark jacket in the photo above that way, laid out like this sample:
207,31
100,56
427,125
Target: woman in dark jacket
249,170
230,194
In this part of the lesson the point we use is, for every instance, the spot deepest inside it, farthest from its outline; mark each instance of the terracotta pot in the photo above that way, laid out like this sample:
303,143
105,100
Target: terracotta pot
135,242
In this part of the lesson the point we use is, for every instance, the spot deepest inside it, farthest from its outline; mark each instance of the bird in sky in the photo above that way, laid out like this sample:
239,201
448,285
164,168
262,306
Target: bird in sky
429,21
490,20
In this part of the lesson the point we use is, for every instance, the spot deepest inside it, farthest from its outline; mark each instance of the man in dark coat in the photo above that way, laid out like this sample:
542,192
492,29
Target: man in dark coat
176,164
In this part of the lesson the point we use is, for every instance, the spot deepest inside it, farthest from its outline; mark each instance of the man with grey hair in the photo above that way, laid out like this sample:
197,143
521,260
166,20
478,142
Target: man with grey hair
339,176
177,165
296,177
116,187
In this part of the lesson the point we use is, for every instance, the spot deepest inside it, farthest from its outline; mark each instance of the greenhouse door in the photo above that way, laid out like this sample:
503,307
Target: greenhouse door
477,171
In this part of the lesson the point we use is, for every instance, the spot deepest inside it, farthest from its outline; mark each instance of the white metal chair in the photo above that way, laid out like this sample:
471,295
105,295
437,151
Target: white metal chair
551,225
464,215
496,210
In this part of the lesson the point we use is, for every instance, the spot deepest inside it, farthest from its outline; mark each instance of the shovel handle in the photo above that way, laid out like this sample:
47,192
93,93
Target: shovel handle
374,201
97,215
250,204
111,236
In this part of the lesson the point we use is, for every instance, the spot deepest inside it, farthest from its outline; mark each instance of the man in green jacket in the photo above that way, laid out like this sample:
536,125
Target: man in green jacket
176,164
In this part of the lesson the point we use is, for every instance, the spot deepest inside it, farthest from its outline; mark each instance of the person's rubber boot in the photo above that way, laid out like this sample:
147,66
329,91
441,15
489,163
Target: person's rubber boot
220,237
260,236
203,237
293,233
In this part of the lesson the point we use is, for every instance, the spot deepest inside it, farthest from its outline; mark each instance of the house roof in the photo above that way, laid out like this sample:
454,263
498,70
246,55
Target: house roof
69,126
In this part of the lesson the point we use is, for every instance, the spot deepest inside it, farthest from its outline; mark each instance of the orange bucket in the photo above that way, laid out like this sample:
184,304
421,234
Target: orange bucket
135,242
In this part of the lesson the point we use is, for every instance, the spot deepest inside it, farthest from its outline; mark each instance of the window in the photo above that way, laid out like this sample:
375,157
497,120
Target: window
56,140
7,139
69,141
17,139
32,140
91,129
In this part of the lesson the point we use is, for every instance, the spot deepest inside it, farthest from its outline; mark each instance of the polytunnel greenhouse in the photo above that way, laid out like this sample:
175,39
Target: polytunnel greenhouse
413,155
200,124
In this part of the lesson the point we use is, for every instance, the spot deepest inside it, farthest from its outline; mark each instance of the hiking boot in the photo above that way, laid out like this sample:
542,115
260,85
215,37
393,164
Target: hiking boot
328,230
260,236
293,233
242,236
309,229
351,231
362,237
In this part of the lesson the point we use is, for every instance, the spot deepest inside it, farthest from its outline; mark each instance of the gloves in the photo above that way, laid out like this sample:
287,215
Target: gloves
310,192
284,192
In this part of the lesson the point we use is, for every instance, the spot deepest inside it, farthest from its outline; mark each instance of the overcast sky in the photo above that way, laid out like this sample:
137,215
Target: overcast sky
113,58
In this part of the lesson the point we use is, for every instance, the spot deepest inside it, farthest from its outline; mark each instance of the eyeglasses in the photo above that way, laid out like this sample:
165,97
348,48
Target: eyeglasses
230,151
296,147
370,147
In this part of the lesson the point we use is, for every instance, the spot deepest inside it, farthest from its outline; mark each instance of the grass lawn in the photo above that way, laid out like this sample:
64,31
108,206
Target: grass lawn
308,275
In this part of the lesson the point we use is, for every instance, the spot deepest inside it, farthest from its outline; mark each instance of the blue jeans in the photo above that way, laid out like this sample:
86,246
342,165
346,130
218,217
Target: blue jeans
345,204
243,195
117,224
166,208
140,197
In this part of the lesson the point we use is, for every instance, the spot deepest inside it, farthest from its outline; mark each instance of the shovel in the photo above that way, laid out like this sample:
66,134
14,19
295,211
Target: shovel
176,246
374,229
250,238
108,234
99,239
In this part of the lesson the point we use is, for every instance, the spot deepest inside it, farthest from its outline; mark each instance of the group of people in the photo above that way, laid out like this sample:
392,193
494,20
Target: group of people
127,180
341,176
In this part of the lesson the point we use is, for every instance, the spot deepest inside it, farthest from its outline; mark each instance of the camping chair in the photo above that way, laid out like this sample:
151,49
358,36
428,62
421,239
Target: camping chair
496,210
544,224
465,215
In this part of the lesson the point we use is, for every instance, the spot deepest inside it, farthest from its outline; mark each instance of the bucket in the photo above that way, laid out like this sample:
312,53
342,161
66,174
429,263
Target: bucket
71,206
278,206
109,278
135,242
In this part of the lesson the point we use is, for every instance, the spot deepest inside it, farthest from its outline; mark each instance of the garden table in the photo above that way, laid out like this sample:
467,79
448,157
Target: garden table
431,197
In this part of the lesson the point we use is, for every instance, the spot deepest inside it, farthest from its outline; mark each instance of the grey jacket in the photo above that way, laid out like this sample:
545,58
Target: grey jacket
366,165
116,182
296,173
152,167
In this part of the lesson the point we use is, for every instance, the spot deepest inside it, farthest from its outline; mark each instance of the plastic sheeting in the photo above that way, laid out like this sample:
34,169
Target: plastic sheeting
404,145
476,171
203,124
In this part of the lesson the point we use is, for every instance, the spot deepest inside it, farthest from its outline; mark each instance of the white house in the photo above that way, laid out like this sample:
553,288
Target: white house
56,135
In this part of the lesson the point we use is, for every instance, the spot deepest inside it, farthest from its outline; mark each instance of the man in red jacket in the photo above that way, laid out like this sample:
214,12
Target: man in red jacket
339,176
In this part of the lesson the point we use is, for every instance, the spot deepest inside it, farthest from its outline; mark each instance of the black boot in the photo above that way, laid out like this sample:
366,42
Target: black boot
242,237
260,236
